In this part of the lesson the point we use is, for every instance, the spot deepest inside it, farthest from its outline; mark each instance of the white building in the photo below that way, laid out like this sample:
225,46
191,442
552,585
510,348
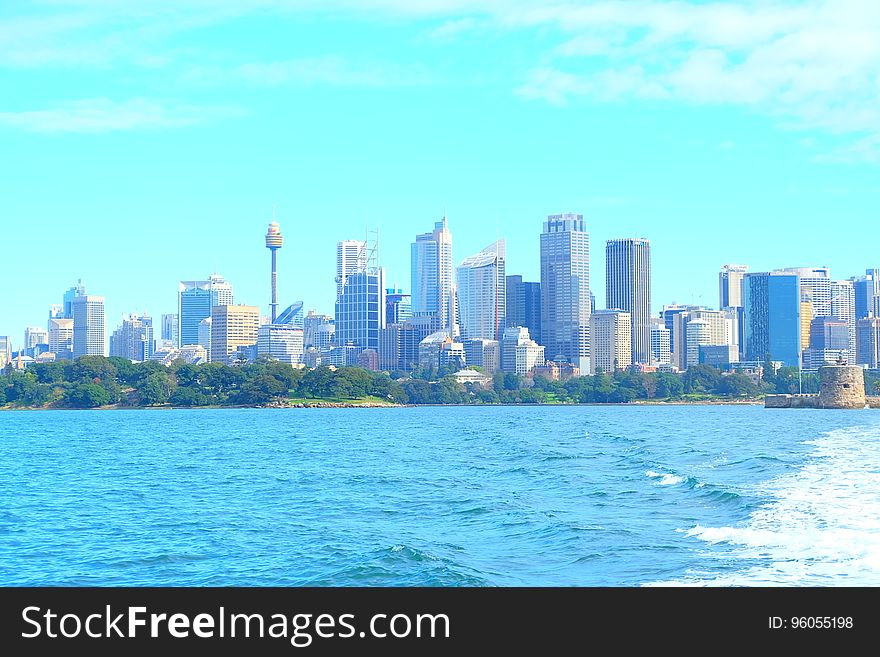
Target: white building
611,336
482,295
61,338
843,307
351,258
89,336
661,343
281,342
519,353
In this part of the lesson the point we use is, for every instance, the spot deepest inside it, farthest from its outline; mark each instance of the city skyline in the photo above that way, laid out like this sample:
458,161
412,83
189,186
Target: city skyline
151,135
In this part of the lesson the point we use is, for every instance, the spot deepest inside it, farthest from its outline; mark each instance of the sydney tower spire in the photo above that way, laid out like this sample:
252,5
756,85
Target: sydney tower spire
274,241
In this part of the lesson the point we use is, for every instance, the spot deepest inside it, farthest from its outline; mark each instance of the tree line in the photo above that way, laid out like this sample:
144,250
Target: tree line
95,381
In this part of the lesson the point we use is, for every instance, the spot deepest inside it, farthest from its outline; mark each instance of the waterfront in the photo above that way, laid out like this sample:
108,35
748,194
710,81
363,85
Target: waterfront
586,496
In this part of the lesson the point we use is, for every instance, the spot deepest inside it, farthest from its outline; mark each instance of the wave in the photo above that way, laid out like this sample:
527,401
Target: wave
819,527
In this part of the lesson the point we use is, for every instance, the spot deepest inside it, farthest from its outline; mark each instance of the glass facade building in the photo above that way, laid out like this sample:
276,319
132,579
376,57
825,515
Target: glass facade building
772,317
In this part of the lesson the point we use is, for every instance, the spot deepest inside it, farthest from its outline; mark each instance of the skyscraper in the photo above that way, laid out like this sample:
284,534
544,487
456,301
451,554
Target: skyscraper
565,290
170,328
433,286
351,257
398,306
519,353
730,281
274,242
611,335
482,296
868,334
360,311
772,302
815,284
89,337
524,306
867,291
33,337
628,287
61,338
843,307
77,290
195,301
232,327
133,339
661,343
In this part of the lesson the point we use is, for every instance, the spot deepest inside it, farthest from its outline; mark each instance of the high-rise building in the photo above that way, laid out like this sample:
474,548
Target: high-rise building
170,327
77,290
233,327
61,338
565,290
34,336
399,343
398,306
628,287
133,339
867,292
205,336
611,336
815,284
519,353
715,328
730,286
661,343
772,302
843,307
433,282
89,337
483,353
351,257
524,306
868,349
318,330
677,337
195,302
5,350
360,310
281,342
482,296
274,242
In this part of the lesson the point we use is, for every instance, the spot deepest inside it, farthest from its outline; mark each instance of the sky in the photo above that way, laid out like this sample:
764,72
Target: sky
146,143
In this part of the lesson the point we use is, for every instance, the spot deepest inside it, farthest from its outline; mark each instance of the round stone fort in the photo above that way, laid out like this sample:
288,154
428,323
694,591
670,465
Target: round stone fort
841,386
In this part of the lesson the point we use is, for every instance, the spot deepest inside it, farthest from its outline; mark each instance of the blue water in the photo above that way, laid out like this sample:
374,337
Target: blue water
452,496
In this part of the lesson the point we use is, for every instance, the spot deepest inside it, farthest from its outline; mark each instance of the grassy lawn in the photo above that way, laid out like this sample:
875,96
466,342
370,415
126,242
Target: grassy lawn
341,400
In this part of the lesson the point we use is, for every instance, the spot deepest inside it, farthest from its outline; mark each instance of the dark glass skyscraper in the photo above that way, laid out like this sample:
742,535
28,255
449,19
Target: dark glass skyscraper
524,306
360,311
772,303
628,287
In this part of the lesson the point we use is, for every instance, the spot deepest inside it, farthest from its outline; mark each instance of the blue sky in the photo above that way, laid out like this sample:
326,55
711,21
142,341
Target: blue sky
141,146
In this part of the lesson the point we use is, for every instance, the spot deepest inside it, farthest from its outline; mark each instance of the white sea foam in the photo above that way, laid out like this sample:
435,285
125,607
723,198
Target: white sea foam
665,479
821,525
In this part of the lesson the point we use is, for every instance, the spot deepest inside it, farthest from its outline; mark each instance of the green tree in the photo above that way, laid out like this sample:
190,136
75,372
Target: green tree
87,395
156,389
92,369
185,396
417,391
737,385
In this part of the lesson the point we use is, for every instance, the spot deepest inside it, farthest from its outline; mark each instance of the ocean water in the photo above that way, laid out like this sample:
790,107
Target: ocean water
449,496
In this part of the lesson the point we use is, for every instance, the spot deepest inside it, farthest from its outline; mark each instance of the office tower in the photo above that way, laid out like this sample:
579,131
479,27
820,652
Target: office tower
628,287
274,242
661,343
677,341
133,339
34,336
519,353
867,292
433,282
524,306
233,327
318,330
716,328
292,316
360,307
398,306
730,286
399,343
482,297
170,327
565,290
61,338
56,311
815,285
89,337
5,350
78,290
438,350
611,336
829,342
204,339
483,353
772,317
843,307
351,257
868,349
281,342
195,301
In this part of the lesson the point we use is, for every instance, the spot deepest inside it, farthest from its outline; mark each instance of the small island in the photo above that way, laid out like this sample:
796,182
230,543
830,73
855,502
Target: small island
99,382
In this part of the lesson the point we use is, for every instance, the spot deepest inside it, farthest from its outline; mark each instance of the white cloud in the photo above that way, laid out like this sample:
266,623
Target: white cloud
93,115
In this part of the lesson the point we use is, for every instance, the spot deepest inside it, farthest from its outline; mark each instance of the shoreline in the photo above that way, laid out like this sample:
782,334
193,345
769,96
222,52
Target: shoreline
366,405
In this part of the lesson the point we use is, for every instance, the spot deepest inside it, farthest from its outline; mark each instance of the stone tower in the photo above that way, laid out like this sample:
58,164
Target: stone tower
841,386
